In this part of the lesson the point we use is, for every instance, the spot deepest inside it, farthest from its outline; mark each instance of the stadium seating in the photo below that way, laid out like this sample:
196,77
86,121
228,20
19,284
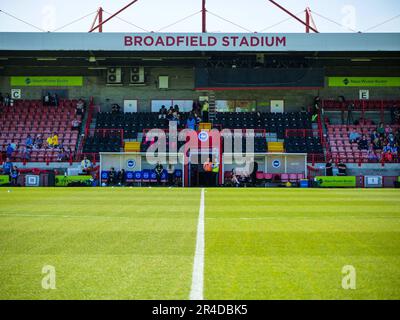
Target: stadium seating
341,149
134,123
366,105
271,122
303,145
103,141
31,117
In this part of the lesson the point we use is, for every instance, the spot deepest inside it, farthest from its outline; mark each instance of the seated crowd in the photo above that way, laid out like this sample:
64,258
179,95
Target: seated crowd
382,143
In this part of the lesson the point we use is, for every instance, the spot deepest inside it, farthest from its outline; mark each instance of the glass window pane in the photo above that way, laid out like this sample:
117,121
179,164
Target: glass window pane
156,104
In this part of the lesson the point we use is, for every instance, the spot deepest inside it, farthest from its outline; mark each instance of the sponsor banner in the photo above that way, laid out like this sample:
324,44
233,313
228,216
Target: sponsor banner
255,42
336,181
4,179
36,81
64,181
364,82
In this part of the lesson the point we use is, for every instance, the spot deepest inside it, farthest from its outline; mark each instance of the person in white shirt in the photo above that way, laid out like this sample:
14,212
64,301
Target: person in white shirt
86,165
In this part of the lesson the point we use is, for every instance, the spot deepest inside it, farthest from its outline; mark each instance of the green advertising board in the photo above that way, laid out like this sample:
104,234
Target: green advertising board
364,81
36,81
65,181
4,179
336,181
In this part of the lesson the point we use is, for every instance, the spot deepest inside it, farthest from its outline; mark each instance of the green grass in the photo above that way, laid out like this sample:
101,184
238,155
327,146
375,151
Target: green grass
292,244
122,243
104,243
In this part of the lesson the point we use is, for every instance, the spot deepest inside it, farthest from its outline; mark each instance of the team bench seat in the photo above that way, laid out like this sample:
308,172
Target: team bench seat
145,176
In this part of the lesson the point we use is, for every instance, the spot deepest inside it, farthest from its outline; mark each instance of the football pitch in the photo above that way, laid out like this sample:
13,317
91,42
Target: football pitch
141,243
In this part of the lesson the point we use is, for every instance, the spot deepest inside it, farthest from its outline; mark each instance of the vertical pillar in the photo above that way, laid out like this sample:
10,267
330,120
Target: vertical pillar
307,21
203,17
101,19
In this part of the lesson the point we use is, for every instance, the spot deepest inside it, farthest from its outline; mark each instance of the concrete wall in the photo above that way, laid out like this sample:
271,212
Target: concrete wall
181,80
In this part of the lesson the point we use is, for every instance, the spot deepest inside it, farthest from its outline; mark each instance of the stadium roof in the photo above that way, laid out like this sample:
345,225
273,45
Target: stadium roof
217,42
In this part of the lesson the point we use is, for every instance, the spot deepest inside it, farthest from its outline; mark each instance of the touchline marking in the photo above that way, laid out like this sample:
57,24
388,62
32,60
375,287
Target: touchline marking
196,292
18,215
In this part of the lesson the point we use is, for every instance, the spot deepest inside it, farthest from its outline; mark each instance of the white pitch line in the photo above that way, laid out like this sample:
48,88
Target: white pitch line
196,292
17,215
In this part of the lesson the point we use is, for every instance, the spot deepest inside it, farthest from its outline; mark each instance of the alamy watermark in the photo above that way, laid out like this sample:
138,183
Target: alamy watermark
49,279
349,278
238,146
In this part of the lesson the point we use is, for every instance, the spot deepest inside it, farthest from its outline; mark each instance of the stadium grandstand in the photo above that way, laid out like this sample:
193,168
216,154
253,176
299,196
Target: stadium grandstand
102,93
199,165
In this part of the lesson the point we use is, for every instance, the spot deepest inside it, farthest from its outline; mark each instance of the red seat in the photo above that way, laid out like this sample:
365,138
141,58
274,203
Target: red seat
284,177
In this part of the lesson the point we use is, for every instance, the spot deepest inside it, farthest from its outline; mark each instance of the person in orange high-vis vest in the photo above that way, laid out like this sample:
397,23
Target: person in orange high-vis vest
208,166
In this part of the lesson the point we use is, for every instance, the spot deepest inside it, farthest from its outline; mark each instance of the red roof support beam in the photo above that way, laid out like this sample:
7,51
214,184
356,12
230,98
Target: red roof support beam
203,17
100,19
293,16
309,20
113,15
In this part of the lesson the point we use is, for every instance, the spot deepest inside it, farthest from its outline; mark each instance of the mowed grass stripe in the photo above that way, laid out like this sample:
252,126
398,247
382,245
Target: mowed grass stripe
145,253
308,202
297,249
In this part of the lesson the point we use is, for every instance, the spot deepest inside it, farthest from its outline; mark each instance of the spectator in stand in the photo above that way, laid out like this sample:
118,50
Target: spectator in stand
27,153
191,122
38,142
49,141
354,136
196,107
80,106
388,153
395,150
198,120
363,143
7,100
342,169
204,111
1,98
54,140
169,114
29,142
86,165
75,124
176,108
388,130
7,166
61,156
46,99
115,108
162,113
68,153
14,176
329,168
56,100
374,135
391,139
377,144
381,130
11,147
397,137
372,155
315,108
350,108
